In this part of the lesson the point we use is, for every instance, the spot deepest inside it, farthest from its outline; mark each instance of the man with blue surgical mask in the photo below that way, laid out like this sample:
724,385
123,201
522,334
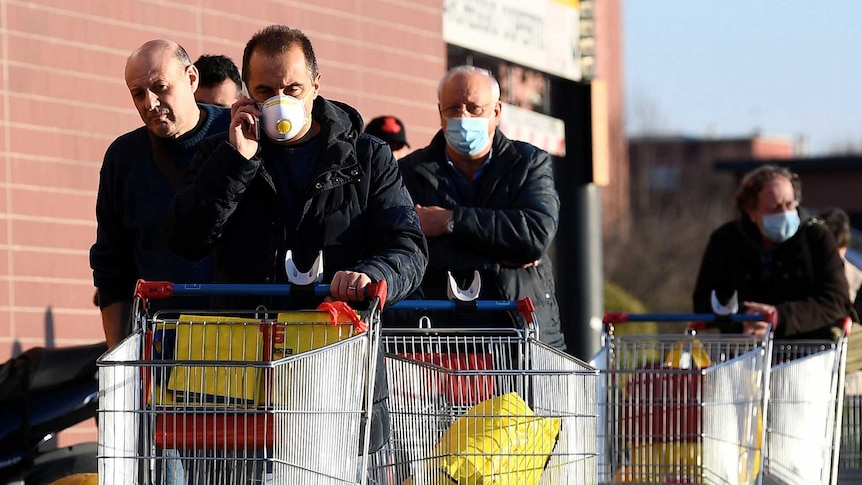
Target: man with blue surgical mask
485,203
779,264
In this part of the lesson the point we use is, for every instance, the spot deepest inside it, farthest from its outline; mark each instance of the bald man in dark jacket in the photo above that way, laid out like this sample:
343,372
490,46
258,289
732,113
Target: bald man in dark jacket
486,203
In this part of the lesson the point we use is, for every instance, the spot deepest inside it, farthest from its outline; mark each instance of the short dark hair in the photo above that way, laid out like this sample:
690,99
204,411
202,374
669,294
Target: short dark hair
276,39
753,182
839,223
214,69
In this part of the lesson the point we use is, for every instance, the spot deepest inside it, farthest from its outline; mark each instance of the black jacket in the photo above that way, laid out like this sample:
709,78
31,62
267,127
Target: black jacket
805,280
134,195
513,223
355,209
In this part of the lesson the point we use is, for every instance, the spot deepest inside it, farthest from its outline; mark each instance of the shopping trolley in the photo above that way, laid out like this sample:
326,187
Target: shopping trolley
850,450
242,397
682,408
806,389
480,405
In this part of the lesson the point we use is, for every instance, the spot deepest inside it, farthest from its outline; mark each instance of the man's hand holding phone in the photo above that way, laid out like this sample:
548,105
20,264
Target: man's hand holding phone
244,131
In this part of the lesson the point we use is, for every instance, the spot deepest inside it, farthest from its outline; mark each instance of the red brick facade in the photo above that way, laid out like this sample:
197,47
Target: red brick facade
63,100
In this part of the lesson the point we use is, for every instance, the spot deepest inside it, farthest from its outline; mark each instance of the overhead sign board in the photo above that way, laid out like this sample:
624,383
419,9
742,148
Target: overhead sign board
541,34
546,132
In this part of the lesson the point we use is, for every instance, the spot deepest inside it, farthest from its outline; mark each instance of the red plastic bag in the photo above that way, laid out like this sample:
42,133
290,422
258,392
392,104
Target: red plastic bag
460,389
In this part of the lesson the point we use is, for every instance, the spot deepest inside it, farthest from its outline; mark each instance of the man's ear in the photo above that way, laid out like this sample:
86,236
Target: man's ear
194,77
498,113
316,85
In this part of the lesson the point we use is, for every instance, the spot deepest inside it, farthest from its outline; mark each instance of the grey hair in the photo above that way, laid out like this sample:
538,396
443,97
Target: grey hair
182,55
495,86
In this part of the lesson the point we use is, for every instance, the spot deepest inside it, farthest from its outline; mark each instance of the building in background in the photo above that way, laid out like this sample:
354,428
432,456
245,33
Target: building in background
608,108
63,100
826,181
559,67
675,173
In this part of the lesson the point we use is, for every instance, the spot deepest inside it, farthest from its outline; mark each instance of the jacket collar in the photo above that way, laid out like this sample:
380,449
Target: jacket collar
340,126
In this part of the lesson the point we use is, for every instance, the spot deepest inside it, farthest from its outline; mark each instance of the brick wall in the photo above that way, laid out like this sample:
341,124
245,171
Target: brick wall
63,100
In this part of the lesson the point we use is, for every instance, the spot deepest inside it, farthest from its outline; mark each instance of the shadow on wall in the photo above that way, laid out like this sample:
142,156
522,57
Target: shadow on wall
49,328
16,348
49,334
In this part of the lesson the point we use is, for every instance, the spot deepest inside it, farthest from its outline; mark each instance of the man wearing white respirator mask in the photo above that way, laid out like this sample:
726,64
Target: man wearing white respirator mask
485,203
780,266
295,172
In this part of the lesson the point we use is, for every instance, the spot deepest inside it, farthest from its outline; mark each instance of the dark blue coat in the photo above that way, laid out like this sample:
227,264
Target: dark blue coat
355,209
133,198
802,277
512,223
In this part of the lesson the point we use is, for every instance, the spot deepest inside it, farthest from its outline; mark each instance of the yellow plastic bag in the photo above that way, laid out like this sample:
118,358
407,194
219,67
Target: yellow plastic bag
499,441
657,462
216,339
307,330
229,339
687,354
78,479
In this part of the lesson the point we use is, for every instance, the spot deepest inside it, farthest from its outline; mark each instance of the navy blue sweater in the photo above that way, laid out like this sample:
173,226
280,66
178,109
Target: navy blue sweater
133,198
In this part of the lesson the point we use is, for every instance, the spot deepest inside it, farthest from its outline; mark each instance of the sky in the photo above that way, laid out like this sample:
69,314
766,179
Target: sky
789,69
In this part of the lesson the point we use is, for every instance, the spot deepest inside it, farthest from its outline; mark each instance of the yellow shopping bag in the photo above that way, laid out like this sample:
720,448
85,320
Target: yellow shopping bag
215,339
687,354
301,331
499,441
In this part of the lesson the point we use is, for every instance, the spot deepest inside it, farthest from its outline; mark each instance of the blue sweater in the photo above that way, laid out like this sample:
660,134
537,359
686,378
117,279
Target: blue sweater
133,198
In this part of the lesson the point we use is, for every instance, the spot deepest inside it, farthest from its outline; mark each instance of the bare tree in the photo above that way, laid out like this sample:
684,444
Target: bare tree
644,117
658,261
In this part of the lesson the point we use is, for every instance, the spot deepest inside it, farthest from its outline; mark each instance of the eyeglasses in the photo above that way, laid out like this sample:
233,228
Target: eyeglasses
473,109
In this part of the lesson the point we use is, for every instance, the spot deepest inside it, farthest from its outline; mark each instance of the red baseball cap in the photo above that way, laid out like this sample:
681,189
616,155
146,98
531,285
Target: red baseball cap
389,129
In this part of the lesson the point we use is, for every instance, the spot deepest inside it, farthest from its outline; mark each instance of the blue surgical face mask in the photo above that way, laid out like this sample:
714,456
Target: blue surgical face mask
782,226
467,136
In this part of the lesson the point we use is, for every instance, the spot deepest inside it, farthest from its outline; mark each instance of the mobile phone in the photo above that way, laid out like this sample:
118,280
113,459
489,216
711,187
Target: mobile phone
256,127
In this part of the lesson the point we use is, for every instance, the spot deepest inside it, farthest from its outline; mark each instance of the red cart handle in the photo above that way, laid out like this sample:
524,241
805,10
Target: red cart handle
154,290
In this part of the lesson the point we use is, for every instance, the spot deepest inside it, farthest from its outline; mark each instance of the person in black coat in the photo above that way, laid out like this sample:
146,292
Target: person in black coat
139,177
294,172
781,266
485,203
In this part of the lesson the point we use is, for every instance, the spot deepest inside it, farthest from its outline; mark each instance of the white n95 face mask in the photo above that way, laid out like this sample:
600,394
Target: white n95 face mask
283,117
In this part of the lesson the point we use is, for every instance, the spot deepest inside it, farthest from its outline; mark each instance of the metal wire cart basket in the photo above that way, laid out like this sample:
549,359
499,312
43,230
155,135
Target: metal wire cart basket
682,408
483,405
805,404
246,397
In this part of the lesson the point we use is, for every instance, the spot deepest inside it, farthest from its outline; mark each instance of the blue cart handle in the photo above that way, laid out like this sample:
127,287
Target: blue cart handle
523,306
435,305
623,317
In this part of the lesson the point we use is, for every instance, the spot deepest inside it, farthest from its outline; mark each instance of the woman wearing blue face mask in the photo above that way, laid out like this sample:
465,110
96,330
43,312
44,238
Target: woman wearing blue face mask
780,265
